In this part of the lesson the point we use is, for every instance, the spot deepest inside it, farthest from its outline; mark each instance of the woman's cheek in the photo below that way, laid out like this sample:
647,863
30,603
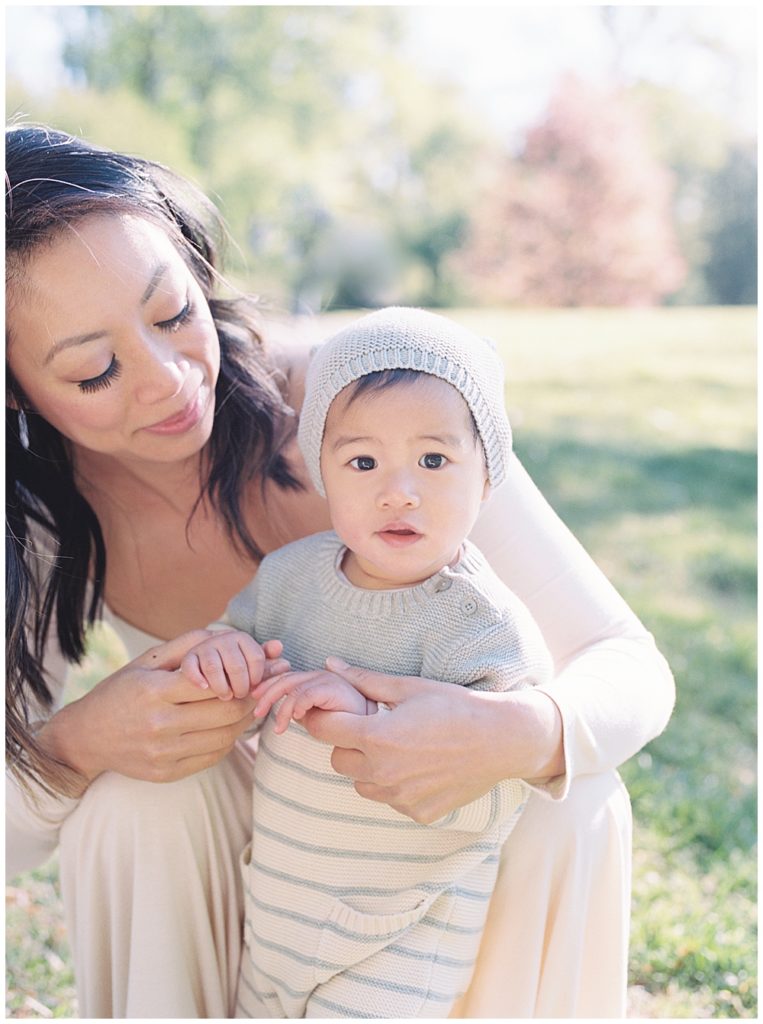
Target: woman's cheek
85,414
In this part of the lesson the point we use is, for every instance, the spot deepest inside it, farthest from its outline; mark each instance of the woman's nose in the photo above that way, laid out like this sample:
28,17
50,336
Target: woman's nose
162,373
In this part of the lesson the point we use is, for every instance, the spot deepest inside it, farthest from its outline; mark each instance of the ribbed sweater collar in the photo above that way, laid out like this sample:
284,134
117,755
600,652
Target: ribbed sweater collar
374,604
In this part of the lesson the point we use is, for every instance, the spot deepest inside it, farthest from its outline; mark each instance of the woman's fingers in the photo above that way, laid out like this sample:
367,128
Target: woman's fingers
169,654
200,750
377,686
197,717
339,728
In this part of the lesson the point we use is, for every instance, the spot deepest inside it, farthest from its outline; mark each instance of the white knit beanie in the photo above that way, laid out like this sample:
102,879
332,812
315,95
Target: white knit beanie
411,339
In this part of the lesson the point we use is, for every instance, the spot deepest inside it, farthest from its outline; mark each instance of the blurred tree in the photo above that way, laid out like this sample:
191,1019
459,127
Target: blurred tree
731,269
582,216
303,123
715,197
711,155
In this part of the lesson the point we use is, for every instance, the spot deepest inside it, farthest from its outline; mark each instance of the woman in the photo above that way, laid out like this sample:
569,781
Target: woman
151,463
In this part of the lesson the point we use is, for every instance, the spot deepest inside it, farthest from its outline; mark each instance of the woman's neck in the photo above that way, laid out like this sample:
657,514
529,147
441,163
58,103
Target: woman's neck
107,481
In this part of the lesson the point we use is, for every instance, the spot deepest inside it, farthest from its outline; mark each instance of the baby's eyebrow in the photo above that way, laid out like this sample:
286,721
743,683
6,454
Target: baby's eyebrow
448,440
345,439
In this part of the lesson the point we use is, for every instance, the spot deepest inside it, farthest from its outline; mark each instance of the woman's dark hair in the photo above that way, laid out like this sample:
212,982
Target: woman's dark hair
52,181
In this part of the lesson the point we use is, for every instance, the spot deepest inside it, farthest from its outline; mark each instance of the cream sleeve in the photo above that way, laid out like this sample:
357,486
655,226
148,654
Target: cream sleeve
613,688
33,817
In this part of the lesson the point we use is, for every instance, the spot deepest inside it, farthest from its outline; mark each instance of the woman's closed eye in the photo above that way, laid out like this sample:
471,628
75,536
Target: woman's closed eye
363,463
103,380
433,460
177,321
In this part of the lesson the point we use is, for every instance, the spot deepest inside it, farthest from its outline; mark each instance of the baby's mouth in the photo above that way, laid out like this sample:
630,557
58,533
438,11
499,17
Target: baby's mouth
399,535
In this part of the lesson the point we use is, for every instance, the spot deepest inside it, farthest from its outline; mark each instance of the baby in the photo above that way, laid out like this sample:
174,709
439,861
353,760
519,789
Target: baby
353,909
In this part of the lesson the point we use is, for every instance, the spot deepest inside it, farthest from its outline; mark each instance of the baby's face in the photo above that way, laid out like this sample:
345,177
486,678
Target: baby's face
405,477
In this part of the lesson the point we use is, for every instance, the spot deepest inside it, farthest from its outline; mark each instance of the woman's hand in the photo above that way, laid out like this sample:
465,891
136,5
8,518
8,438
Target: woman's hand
147,721
440,746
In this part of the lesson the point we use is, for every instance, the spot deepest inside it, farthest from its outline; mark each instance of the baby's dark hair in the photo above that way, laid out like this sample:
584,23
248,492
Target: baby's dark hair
381,380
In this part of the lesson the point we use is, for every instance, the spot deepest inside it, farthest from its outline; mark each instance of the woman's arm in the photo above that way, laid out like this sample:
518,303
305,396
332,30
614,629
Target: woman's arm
613,688
145,721
33,817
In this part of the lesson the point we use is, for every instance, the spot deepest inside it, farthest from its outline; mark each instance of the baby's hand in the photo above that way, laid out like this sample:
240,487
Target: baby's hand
231,663
306,690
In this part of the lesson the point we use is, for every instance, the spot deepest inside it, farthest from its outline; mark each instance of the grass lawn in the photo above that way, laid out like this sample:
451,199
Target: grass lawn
640,428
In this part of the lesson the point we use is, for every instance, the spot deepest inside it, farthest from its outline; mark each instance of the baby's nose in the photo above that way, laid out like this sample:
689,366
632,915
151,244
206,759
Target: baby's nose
398,491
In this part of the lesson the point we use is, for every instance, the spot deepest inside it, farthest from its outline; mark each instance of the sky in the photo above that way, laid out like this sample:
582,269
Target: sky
508,56
513,82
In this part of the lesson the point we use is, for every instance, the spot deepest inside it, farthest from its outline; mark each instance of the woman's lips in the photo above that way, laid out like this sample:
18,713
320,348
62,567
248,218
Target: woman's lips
184,420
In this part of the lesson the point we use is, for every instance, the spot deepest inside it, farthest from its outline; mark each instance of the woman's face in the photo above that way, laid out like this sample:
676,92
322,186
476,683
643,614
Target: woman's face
113,343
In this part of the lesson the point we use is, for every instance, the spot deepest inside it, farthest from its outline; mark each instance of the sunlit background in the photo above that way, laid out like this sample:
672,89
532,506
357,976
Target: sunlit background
579,183
522,155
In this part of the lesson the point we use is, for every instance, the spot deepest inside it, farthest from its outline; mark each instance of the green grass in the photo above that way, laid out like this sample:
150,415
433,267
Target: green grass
640,427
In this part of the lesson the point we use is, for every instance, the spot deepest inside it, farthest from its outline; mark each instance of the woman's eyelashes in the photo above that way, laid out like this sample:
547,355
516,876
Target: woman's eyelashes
177,321
103,380
113,370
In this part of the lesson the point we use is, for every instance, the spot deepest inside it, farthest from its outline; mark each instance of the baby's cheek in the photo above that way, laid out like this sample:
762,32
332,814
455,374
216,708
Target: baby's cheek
347,525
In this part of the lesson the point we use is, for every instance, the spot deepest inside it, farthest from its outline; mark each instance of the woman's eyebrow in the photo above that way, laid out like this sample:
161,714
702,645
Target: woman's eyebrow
81,339
153,284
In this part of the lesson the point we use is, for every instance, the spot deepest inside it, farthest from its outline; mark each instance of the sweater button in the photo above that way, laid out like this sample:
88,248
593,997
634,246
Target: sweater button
469,606
442,584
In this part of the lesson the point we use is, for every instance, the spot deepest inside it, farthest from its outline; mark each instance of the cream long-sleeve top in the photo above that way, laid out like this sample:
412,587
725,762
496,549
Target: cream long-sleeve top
614,689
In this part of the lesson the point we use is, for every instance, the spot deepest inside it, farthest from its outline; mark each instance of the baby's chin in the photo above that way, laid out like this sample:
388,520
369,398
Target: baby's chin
371,576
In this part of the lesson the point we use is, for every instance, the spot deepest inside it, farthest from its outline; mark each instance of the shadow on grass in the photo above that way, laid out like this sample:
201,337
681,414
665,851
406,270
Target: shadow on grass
591,483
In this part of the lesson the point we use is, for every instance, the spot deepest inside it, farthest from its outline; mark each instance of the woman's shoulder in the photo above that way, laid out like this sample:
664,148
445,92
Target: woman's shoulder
290,346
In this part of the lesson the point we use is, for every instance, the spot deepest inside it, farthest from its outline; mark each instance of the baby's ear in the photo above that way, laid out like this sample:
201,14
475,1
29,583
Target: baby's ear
487,490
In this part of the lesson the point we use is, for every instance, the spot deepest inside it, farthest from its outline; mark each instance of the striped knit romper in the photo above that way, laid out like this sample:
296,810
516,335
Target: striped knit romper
352,909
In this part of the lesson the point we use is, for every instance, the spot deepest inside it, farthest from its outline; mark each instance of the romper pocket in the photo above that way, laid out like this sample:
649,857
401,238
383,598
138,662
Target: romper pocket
353,938
350,934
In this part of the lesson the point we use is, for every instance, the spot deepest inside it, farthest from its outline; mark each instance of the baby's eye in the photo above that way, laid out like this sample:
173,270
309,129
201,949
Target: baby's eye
432,460
363,462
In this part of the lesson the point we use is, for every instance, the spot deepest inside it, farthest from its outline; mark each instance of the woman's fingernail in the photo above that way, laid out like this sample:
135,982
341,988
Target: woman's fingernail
337,663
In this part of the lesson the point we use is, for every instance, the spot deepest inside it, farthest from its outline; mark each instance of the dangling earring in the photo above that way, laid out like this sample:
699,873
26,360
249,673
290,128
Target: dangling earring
23,430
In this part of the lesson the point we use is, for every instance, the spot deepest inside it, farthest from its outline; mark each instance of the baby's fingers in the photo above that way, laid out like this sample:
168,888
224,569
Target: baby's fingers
205,663
191,669
253,658
271,690
321,693
273,649
285,713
